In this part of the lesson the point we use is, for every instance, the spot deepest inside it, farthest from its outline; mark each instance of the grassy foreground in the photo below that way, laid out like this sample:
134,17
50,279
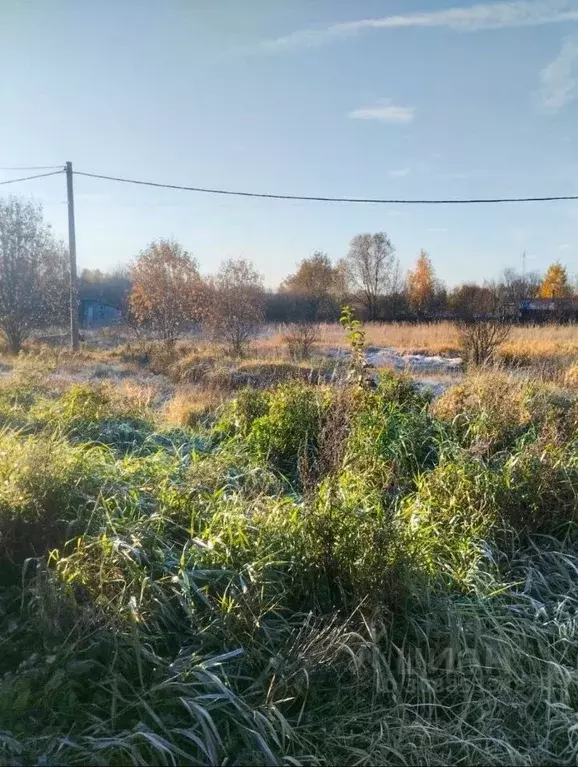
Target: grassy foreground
316,575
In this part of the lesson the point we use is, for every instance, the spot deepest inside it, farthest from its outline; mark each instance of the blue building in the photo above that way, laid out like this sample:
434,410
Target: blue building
95,314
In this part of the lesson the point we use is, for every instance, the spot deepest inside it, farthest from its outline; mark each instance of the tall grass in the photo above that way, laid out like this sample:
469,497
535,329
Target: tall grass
318,575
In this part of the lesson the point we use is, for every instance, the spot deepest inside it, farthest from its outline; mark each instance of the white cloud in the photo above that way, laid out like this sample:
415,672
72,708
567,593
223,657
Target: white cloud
398,173
386,112
559,79
469,19
564,246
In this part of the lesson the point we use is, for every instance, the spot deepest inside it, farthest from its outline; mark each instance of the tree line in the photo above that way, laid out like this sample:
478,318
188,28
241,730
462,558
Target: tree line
162,290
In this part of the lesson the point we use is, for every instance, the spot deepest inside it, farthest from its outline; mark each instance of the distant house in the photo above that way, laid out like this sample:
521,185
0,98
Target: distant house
94,313
549,309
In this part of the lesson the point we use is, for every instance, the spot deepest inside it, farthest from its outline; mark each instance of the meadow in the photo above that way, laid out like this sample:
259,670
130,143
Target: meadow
208,561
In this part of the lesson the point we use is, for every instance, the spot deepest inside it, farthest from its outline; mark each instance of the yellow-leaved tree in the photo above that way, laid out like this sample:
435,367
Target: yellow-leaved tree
555,283
421,284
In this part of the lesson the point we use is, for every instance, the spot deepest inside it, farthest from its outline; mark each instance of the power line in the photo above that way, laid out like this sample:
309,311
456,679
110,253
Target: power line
306,198
29,178
33,167
328,199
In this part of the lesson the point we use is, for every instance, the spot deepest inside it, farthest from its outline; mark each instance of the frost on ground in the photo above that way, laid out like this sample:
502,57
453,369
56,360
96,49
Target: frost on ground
385,356
434,373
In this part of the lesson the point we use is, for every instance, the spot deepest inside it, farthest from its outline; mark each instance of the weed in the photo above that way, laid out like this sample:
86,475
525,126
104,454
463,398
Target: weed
308,573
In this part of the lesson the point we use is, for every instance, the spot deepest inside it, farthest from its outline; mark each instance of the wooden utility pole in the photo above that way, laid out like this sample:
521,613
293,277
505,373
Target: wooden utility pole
74,340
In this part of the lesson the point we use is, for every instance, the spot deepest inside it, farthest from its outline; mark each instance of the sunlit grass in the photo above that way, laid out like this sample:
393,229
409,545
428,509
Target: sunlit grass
288,572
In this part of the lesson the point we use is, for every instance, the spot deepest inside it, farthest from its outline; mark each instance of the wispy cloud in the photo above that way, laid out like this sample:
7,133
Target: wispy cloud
559,79
470,19
400,173
564,246
386,112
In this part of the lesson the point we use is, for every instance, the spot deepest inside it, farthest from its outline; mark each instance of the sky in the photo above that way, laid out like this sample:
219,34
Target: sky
387,99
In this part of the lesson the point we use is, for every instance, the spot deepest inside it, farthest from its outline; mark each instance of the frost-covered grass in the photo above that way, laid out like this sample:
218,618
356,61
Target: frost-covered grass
306,574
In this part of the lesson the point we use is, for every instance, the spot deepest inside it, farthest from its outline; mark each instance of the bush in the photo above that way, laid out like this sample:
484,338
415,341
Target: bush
540,490
480,339
290,430
485,412
490,412
243,411
454,508
47,490
300,340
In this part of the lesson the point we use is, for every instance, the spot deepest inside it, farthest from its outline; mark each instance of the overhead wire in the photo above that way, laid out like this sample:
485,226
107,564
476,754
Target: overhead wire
29,178
370,200
296,197
33,167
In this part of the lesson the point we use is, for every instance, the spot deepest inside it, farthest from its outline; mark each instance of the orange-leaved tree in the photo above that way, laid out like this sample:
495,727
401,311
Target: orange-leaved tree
421,284
167,291
555,283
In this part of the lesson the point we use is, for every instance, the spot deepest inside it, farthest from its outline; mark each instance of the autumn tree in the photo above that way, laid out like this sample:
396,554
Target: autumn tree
236,305
318,286
421,284
555,283
370,265
167,291
33,272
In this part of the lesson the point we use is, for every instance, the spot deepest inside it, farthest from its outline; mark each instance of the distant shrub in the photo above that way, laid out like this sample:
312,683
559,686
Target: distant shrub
400,389
480,339
300,339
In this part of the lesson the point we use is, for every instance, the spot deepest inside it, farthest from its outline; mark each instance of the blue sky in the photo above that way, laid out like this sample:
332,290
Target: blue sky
331,97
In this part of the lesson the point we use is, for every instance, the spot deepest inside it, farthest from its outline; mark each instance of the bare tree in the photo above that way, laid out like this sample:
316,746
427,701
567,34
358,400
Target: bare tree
167,292
370,263
236,305
484,326
480,339
33,272
516,287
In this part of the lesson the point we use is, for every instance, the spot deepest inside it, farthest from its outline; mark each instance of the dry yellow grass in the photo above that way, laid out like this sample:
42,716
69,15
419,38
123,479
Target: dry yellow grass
439,338
534,343
208,376
529,343
191,404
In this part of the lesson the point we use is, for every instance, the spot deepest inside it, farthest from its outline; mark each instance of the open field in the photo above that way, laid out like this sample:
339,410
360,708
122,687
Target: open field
207,561
526,345
442,338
